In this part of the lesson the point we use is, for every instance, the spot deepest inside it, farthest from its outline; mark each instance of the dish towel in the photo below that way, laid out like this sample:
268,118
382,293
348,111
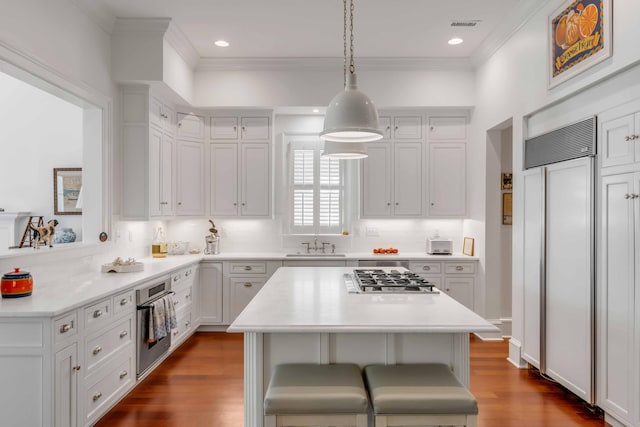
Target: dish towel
162,319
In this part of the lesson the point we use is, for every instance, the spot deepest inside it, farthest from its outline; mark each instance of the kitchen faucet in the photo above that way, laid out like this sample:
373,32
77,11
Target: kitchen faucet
316,248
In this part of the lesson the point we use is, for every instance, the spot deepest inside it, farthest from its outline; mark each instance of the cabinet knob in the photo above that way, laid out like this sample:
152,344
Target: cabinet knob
397,203
123,374
244,204
176,332
179,124
396,128
76,368
179,203
247,268
235,128
187,273
388,203
97,396
187,324
97,314
97,350
123,334
124,301
448,289
235,204
247,284
433,204
631,137
176,301
65,328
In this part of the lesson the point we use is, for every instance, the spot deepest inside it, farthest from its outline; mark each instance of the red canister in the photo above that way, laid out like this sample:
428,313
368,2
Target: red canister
16,284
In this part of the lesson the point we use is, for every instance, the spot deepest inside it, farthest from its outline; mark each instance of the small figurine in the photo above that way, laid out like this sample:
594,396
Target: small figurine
213,229
44,234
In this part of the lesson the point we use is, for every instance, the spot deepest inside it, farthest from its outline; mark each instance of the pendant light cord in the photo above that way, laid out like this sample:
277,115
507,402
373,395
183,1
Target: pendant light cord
352,67
344,40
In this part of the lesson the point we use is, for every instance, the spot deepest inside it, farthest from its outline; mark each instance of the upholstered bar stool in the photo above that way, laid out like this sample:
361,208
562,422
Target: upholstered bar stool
419,395
316,395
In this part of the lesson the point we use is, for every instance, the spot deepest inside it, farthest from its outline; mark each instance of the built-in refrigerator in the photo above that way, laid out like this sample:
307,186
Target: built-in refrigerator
559,256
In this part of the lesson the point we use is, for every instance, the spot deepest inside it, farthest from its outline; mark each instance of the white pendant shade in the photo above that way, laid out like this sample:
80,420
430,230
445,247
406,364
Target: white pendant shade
351,116
344,151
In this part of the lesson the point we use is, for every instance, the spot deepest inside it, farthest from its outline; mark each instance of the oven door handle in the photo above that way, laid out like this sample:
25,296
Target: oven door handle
147,306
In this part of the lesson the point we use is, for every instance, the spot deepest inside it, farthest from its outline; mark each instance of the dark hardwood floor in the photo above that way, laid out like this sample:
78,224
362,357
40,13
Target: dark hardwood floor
201,384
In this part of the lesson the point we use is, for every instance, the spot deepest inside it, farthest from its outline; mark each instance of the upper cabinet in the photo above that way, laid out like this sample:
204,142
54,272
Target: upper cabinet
148,153
401,127
190,126
190,197
447,195
619,137
231,128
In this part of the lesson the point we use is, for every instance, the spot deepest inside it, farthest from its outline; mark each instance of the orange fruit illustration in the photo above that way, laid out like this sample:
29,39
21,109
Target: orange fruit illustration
588,20
561,31
573,32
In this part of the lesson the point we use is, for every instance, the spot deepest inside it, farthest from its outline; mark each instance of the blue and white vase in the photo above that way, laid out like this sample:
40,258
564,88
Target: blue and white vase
67,235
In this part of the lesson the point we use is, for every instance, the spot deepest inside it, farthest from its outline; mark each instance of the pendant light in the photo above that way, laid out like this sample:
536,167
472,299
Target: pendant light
344,151
351,116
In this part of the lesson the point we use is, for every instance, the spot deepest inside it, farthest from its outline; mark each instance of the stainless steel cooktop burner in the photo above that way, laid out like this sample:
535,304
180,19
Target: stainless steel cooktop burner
394,281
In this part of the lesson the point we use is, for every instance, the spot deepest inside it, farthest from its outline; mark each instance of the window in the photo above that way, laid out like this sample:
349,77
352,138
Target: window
316,199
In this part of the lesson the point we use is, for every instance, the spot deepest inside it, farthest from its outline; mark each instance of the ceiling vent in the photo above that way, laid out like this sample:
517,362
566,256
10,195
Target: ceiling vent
469,23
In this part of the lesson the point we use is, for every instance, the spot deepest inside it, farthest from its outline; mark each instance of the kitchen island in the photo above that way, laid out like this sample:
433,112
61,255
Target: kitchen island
307,315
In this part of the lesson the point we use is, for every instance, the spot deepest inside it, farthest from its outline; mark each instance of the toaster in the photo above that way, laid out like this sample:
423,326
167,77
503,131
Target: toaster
439,246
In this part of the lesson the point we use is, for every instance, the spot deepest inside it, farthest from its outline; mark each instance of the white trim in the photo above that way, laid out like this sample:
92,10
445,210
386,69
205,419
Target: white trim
515,354
141,25
503,324
98,13
181,43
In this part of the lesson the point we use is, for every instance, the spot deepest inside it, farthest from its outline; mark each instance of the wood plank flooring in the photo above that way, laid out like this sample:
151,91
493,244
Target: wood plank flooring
201,384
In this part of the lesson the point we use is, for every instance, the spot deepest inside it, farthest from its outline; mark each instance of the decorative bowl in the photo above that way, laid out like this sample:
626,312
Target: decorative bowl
16,284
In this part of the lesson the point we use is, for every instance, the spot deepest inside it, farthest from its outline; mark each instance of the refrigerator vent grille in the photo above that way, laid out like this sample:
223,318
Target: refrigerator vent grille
570,142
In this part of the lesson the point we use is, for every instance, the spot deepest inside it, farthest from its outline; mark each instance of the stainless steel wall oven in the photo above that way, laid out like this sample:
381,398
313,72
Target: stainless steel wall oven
149,352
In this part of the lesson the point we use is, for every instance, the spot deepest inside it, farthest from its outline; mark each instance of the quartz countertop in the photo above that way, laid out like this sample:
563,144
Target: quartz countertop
315,299
225,256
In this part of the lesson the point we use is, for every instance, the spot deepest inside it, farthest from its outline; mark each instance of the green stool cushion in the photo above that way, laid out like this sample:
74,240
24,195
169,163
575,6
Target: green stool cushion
316,389
418,389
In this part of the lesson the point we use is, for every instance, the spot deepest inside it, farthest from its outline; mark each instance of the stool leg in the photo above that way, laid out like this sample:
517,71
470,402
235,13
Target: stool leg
380,421
269,421
472,421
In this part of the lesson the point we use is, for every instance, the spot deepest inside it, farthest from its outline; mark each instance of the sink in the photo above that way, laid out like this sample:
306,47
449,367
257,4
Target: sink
318,255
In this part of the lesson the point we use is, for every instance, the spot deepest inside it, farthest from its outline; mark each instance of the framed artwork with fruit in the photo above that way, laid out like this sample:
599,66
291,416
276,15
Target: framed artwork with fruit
579,37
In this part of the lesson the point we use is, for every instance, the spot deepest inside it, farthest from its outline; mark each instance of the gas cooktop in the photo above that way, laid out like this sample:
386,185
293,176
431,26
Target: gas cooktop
391,282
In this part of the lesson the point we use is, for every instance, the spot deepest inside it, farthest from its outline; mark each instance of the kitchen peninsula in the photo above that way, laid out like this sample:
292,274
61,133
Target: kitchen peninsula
307,315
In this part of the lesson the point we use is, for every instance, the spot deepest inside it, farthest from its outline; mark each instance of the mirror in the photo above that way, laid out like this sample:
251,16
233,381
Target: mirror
44,128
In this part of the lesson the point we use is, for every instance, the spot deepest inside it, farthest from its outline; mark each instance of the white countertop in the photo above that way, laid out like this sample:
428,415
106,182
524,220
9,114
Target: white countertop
315,299
346,256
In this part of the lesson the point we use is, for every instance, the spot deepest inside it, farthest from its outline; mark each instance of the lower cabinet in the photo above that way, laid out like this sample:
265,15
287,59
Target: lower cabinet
241,292
65,394
184,284
455,278
210,298
243,279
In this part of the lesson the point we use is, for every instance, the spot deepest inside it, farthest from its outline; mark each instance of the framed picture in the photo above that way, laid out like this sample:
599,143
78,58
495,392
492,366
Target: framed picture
507,208
67,191
507,181
467,246
579,37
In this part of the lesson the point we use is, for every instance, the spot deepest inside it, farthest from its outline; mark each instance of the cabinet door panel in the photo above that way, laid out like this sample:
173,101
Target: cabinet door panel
224,179
407,127
447,128
255,128
460,289
155,112
242,292
166,176
66,383
447,179
615,149
210,295
190,126
408,179
224,128
190,180
155,175
256,182
376,180
384,124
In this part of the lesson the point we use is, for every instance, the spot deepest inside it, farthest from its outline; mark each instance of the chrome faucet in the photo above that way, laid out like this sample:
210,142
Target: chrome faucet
324,244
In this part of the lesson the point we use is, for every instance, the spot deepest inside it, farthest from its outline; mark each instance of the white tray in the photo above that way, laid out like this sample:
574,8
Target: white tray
129,268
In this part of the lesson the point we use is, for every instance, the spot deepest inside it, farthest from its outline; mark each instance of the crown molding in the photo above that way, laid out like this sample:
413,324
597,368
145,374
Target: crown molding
98,13
181,43
332,64
516,19
141,25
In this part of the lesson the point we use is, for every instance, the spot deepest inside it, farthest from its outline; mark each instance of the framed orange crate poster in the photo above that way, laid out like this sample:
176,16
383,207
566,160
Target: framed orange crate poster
580,37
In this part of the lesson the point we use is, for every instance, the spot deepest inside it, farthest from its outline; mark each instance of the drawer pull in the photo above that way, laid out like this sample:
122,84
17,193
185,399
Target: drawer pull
97,350
76,368
188,296
248,284
176,332
175,278
123,334
65,328
247,268
176,302
459,268
97,396
123,374
123,301
426,268
97,314
187,273
187,324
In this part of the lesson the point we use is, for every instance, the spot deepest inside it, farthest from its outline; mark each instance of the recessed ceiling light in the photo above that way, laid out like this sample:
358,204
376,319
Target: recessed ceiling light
316,110
221,43
455,41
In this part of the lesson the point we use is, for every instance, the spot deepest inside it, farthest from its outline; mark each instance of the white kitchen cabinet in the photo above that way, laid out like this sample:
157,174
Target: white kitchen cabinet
619,139
184,284
148,155
241,179
190,126
210,295
401,127
392,180
241,292
447,128
447,179
243,279
455,278
66,386
190,195
243,128
618,331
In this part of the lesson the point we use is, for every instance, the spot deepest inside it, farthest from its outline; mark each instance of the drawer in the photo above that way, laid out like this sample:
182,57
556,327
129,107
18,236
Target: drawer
184,326
66,326
436,280
183,297
124,302
105,344
460,268
176,278
427,267
247,268
107,388
97,314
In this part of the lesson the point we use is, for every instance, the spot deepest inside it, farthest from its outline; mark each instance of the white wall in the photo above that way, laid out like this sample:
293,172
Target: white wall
513,84
271,88
38,132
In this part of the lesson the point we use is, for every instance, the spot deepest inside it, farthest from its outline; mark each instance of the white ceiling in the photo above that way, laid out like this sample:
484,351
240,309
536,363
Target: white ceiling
313,28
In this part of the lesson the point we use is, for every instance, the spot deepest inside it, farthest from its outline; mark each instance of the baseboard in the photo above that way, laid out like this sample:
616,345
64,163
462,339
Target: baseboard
505,330
213,328
613,422
515,354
